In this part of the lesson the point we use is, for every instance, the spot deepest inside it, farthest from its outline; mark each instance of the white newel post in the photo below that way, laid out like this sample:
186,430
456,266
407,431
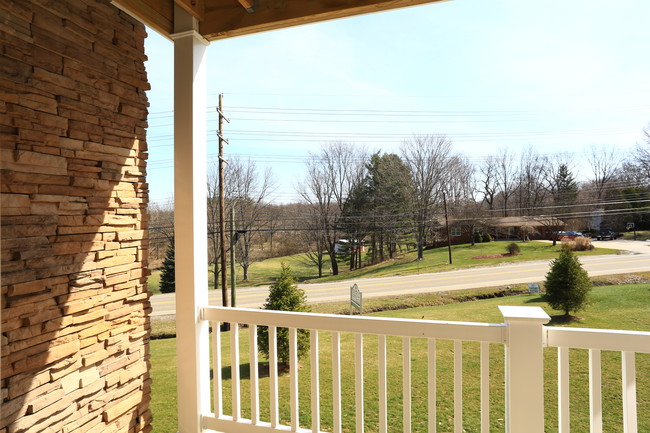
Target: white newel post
190,225
524,368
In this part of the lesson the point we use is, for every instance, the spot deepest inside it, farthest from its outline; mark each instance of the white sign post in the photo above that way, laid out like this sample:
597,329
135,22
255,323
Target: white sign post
356,299
630,226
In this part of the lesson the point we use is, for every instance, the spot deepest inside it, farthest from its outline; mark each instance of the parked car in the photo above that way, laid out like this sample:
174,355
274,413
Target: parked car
606,234
557,235
568,234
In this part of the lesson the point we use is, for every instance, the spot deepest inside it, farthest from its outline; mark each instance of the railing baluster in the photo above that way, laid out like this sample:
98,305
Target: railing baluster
216,367
595,392
254,374
485,387
406,384
629,392
273,376
293,378
336,381
315,382
358,370
458,386
563,389
234,368
383,397
431,358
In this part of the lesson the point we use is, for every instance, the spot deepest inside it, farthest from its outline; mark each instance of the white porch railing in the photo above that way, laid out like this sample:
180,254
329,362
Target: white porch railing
519,380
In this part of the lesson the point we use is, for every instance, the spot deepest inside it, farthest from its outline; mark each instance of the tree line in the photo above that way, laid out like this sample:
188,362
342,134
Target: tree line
352,199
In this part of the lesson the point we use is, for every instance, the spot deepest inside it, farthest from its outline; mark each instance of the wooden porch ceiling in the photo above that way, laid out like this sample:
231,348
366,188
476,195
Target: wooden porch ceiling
221,19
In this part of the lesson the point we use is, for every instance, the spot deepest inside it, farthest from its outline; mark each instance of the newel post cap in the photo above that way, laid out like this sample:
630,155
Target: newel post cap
524,314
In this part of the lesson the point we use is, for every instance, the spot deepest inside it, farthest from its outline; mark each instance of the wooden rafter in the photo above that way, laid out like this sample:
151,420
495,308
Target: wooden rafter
195,8
225,19
247,4
221,19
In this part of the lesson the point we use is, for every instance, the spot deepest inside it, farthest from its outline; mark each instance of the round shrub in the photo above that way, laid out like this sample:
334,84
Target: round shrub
512,248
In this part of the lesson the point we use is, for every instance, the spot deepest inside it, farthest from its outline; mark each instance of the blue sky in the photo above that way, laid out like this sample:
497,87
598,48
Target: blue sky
560,76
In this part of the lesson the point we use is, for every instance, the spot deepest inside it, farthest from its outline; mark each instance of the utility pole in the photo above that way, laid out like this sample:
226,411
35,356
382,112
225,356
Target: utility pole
233,242
444,200
222,205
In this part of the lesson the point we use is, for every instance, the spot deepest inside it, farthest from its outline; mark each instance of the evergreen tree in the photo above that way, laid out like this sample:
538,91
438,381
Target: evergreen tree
390,188
567,283
168,275
565,187
284,295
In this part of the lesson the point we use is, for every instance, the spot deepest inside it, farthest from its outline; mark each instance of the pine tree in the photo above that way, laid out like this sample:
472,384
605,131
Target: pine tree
284,295
567,283
168,274
565,187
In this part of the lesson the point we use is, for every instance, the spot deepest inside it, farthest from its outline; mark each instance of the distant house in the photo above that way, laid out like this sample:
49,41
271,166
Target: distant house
343,246
524,227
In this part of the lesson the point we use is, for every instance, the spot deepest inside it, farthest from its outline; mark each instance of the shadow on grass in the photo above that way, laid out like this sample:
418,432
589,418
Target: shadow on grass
245,370
564,319
535,300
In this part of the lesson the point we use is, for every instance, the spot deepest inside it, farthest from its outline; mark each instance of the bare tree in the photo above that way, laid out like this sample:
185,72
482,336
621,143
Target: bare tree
271,224
462,189
246,192
604,162
161,229
214,250
532,187
642,152
488,181
459,186
428,158
506,175
331,175
313,239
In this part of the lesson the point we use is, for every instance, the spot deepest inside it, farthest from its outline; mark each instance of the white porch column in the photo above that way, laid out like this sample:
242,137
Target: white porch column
190,221
524,368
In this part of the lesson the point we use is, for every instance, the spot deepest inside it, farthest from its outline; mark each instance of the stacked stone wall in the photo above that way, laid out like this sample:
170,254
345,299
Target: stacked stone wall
74,322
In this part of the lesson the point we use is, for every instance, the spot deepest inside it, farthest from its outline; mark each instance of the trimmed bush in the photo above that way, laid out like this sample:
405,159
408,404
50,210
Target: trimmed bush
478,237
284,295
487,237
567,283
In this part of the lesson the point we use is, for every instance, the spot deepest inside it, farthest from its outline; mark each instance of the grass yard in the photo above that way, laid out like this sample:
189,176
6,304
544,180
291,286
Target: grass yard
640,235
435,260
463,256
259,274
613,307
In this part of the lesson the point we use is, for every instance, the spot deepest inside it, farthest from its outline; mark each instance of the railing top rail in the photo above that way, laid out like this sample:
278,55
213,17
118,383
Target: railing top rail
601,339
470,331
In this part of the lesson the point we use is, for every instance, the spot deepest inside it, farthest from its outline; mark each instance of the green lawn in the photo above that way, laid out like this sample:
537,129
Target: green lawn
613,307
463,256
640,235
435,260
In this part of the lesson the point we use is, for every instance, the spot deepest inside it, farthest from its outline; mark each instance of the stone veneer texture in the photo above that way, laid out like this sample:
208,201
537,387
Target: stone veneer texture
75,307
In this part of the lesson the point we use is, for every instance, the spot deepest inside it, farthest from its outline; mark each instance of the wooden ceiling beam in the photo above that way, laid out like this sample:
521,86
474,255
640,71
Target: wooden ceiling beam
220,19
226,18
247,4
196,8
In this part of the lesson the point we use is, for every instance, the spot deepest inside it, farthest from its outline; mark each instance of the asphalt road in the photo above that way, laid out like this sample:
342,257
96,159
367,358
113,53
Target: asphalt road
635,257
